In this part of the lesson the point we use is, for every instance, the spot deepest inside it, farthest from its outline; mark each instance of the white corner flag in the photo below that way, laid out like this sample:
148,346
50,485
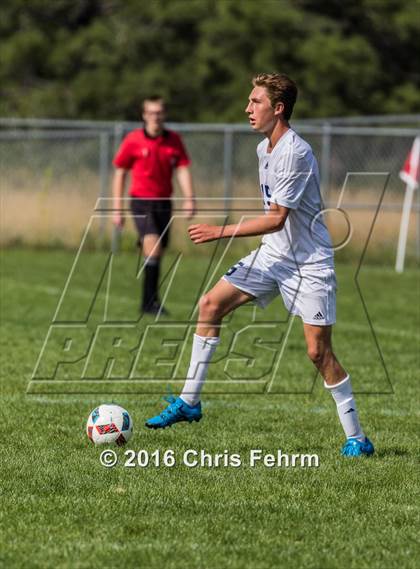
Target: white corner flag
410,174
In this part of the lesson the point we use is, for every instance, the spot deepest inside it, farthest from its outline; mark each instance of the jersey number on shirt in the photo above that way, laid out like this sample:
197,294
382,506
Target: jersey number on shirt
265,190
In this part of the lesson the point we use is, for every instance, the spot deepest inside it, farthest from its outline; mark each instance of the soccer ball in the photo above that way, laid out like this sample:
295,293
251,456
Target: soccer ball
109,424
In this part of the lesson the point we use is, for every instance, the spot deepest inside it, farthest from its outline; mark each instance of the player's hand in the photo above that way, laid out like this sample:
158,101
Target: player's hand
189,207
118,220
202,233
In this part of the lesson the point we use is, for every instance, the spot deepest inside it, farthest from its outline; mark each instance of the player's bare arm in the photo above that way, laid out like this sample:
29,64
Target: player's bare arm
269,222
118,186
183,175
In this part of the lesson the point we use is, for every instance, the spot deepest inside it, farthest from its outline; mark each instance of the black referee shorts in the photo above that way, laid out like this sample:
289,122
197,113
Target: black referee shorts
152,216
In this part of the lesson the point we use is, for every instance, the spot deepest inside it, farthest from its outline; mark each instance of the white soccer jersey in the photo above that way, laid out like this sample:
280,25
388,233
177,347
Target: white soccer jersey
289,177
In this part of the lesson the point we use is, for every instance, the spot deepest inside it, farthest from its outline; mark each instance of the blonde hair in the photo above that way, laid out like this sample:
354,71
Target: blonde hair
280,89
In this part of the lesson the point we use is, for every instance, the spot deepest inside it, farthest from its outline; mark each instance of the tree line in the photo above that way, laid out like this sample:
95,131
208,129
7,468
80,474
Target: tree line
96,59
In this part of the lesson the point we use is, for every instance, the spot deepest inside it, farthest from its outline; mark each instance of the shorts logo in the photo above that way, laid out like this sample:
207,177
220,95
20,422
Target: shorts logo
319,316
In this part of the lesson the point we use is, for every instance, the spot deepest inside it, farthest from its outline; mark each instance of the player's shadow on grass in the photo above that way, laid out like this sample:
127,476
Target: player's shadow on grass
389,452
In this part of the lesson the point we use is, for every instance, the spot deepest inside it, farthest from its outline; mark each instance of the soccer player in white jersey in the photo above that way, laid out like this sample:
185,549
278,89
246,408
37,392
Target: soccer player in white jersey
295,259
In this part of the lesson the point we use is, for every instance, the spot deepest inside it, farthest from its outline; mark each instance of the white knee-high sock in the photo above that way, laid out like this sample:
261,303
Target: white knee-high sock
346,407
202,352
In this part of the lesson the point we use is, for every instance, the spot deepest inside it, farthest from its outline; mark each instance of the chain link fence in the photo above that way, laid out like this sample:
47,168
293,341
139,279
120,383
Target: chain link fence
52,173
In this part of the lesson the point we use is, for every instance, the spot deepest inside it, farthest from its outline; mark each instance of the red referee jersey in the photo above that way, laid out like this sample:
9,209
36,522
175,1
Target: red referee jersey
151,161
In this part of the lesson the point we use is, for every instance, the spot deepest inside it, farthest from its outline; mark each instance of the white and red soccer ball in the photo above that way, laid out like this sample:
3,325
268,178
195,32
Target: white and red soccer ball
109,423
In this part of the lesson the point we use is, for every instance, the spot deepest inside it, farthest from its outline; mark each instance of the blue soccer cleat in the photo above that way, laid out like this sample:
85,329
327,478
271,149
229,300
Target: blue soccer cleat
175,412
354,447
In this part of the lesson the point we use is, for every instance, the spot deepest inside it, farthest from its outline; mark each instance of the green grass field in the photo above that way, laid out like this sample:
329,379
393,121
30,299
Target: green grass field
61,508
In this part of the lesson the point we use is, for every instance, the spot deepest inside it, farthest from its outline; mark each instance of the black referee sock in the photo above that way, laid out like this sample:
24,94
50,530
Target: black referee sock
151,282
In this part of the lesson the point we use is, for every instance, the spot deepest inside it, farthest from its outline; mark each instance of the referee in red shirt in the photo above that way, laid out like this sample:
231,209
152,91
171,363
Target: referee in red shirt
152,154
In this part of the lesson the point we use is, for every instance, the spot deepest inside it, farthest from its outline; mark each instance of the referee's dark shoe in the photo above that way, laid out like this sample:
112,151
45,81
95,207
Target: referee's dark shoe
155,309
